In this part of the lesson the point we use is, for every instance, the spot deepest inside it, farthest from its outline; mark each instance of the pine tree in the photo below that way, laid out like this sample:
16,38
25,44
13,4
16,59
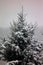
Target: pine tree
21,45
2,47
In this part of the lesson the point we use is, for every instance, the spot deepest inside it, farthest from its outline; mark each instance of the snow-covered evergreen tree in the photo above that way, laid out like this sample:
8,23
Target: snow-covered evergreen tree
21,45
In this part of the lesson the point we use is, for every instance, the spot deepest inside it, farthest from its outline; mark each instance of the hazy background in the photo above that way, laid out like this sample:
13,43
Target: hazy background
9,9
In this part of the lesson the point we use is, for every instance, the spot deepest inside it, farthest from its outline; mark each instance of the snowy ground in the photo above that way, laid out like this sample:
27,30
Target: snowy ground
2,63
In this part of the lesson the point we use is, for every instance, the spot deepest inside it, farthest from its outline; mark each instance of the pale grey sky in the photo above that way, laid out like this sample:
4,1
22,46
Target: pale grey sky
10,8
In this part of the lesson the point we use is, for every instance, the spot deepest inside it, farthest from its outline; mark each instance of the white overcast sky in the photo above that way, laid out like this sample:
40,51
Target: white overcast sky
10,8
